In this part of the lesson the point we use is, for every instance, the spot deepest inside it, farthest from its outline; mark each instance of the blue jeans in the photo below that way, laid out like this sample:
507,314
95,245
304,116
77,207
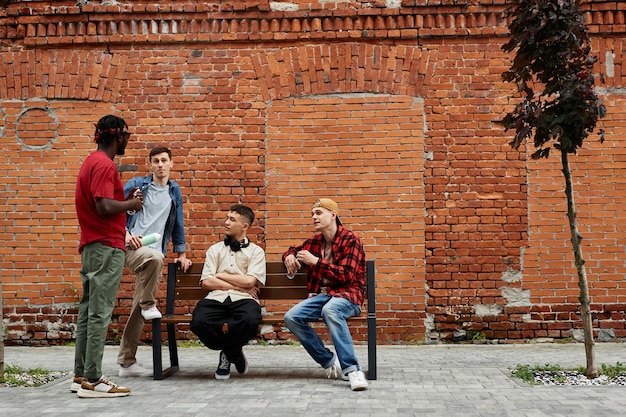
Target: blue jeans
334,311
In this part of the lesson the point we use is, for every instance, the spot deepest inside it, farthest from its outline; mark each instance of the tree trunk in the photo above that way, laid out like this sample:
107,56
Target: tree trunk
585,309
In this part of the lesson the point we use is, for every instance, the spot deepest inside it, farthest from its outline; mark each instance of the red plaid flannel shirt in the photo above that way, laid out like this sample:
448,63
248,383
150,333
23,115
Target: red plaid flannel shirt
346,272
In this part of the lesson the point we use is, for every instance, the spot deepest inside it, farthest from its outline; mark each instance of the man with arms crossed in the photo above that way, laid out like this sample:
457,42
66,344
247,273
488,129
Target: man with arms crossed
229,316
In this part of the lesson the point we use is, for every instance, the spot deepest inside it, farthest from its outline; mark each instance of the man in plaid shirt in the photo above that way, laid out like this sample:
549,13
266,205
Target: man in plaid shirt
335,262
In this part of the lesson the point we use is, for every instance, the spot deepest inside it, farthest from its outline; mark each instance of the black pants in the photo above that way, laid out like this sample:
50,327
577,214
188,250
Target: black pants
226,326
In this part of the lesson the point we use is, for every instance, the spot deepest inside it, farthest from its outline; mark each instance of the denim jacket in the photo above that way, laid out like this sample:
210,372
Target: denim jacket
174,226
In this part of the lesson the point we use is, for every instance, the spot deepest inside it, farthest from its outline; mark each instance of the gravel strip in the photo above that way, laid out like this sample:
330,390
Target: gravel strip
574,378
26,380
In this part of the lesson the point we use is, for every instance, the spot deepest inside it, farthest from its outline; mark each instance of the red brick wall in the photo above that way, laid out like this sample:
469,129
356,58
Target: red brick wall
599,172
476,191
392,112
367,153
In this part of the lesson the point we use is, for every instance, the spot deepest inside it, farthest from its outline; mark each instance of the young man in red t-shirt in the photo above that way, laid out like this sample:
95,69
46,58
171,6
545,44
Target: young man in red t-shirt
101,210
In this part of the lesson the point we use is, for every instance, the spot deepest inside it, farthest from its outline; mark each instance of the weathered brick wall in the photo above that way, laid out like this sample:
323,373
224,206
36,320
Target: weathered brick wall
367,151
391,111
476,188
549,276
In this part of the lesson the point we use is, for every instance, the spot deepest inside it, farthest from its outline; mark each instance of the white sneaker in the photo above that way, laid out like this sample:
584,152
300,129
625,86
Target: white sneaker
134,370
357,381
151,313
103,388
334,370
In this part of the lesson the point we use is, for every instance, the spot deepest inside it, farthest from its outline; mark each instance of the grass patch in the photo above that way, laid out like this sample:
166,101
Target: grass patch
529,373
612,371
479,337
16,376
189,343
192,343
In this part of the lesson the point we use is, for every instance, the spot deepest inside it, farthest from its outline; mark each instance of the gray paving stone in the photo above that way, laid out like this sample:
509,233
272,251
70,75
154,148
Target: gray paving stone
439,380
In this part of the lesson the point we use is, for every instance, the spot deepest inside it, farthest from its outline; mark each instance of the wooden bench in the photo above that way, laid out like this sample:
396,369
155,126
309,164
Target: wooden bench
184,286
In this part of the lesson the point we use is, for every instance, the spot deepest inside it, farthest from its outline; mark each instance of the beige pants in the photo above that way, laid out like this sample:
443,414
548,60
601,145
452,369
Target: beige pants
147,265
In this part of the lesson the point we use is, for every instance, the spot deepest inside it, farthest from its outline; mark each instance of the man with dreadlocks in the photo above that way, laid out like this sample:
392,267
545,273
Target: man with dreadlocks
101,211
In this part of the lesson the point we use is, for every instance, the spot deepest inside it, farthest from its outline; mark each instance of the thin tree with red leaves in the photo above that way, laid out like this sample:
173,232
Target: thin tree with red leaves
553,71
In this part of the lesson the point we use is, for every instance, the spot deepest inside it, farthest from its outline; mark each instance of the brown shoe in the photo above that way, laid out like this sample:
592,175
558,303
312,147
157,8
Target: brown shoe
102,388
76,383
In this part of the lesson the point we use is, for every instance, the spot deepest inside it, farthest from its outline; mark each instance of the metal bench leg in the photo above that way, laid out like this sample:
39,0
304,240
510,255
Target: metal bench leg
371,348
157,357
171,342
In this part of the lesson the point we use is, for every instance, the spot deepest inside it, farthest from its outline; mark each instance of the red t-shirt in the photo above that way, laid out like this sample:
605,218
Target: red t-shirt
98,178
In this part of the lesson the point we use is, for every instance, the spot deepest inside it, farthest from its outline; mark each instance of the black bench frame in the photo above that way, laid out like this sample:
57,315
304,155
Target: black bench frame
171,321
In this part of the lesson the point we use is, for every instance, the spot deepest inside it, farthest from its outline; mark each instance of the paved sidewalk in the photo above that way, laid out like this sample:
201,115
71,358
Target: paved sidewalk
441,380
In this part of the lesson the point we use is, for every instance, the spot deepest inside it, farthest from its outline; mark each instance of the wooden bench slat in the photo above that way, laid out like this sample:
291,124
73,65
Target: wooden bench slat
277,267
266,319
192,279
284,293
185,293
281,279
188,280
185,286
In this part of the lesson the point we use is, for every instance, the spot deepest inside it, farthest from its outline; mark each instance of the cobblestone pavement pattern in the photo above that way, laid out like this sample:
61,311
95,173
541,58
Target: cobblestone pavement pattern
434,380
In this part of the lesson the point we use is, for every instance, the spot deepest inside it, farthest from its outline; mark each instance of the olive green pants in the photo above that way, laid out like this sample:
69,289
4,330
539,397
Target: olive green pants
101,274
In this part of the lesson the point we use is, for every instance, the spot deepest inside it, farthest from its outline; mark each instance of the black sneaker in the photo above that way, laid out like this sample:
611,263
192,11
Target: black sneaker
223,369
241,364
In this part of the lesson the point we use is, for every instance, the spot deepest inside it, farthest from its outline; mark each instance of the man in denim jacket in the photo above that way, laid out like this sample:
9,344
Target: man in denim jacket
162,213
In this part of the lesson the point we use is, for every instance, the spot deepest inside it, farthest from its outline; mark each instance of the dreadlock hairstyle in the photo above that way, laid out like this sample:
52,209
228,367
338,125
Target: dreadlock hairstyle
109,128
